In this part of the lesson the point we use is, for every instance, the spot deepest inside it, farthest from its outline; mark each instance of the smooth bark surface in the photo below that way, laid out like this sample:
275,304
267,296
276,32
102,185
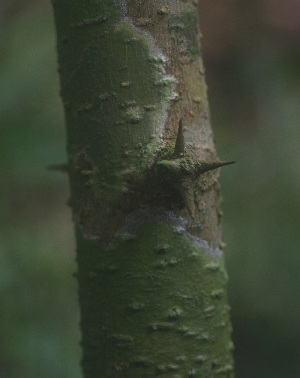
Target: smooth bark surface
152,283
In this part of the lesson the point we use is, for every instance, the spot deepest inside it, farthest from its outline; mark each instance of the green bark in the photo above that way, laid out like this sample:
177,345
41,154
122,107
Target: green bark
152,283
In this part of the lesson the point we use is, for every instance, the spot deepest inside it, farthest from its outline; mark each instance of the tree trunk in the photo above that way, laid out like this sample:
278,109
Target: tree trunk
152,283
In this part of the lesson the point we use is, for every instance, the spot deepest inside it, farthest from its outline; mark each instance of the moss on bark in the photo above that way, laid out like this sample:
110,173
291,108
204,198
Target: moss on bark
154,303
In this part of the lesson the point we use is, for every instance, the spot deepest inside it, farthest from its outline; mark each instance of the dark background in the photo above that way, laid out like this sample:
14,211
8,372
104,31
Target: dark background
252,56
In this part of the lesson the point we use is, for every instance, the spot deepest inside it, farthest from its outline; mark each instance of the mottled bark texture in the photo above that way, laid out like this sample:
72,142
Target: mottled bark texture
152,284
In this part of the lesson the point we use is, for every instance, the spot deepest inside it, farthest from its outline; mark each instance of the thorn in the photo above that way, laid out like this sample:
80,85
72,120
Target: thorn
186,189
171,167
206,166
222,163
179,146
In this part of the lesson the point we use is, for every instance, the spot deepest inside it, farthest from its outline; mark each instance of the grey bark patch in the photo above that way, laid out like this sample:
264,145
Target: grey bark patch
155,215
124,7
199,243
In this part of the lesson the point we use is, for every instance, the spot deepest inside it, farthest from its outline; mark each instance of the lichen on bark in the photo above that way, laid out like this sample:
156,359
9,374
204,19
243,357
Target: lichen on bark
152,283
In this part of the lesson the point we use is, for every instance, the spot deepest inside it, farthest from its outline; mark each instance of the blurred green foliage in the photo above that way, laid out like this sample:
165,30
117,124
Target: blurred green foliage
39,334
254,99
254,95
